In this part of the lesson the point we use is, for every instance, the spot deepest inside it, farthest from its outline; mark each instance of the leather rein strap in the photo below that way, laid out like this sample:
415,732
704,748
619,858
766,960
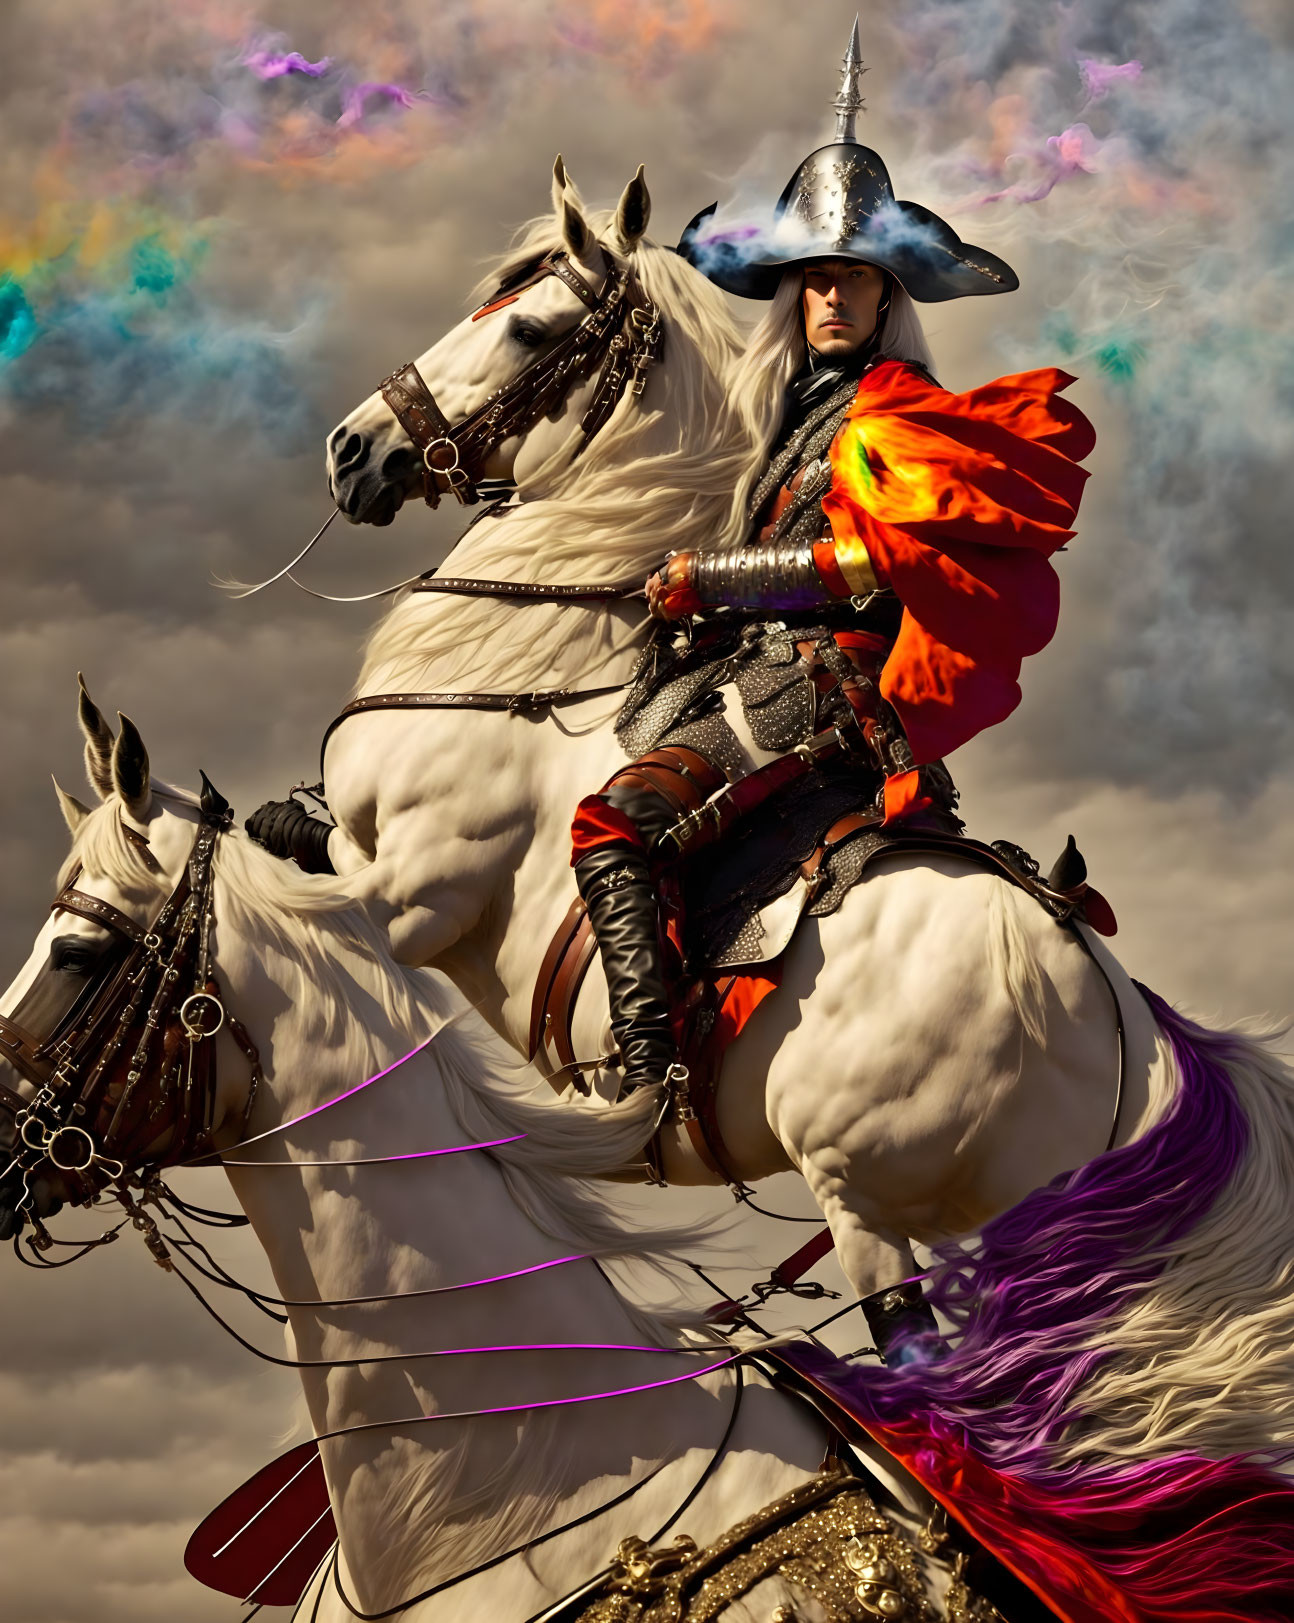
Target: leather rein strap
621,334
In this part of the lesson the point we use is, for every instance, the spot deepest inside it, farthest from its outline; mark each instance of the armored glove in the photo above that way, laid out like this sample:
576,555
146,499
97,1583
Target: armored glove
286,829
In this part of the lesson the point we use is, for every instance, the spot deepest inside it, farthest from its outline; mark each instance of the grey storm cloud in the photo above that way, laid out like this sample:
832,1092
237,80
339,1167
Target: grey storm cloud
202,270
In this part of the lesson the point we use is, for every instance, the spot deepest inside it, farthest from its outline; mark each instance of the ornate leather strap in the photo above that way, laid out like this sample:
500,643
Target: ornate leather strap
520,704
414,405
559,265
99,912
528,591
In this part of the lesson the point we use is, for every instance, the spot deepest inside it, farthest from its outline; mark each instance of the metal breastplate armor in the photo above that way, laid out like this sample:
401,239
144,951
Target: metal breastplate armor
814,666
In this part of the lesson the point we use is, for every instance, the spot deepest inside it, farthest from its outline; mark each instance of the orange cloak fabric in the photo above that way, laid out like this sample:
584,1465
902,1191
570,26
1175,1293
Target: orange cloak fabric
959,500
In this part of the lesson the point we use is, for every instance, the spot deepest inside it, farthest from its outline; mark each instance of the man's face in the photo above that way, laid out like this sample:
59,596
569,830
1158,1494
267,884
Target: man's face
840,301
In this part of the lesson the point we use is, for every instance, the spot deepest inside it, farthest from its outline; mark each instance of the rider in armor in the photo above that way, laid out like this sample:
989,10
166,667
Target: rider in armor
894,575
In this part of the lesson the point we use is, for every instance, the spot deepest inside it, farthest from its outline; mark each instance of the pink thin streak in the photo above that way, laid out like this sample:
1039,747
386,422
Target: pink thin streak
349,1094
266,64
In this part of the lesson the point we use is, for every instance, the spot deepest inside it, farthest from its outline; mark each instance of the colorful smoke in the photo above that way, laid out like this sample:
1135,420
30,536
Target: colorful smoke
1134,159
111,304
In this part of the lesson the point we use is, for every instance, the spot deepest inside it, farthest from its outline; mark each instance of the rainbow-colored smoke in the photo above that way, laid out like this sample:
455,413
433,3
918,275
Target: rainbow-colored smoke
109,303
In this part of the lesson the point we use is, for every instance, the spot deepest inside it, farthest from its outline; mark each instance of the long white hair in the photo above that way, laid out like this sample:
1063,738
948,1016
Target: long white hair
777,349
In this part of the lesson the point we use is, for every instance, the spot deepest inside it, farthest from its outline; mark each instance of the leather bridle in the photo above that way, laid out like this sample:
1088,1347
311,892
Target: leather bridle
621,334
133,1061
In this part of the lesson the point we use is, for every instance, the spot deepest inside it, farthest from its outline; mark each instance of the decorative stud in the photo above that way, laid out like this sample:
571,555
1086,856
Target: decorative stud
878,1579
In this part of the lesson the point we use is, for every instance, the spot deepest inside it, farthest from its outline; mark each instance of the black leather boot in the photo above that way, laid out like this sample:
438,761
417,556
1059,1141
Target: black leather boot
615,883
286,829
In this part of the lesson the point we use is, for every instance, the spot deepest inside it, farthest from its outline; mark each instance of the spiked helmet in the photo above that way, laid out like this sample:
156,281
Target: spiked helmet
840,204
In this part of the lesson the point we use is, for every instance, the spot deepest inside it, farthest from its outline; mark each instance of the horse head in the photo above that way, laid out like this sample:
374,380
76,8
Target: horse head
561,322
110,1032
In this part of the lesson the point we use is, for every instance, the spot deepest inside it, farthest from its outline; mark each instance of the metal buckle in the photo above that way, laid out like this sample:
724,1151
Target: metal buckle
71,1149
441,460
201,1015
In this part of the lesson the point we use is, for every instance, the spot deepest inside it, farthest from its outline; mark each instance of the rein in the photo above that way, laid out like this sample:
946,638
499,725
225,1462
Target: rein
621,334
578,1521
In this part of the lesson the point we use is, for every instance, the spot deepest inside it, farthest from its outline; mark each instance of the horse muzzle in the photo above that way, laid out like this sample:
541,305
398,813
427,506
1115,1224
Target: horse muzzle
369,485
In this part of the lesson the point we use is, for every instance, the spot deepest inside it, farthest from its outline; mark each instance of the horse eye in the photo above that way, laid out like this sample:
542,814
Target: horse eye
526,333
71,958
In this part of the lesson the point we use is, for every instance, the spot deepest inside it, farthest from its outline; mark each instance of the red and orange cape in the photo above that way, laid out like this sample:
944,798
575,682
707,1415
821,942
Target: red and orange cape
960,500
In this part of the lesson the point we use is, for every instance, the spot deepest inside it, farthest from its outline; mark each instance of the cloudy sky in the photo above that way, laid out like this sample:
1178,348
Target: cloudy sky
210,249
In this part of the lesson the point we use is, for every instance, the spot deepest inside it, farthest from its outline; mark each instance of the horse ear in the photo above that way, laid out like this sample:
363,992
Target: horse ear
559,183
577,238
98,742
215,808
130,776
74,813
633,212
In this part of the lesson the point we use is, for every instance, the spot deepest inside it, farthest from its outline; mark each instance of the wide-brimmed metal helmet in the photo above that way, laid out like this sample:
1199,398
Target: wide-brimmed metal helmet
840,204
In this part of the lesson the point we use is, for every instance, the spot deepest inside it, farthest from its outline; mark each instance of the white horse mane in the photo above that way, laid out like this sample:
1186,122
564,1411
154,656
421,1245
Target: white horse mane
650,482
329,941
325,949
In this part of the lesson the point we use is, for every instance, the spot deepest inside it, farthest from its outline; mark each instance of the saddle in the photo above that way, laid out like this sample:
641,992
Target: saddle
726,932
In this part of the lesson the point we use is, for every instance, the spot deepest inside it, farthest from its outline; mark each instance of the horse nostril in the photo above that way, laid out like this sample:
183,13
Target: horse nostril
353,455
399,464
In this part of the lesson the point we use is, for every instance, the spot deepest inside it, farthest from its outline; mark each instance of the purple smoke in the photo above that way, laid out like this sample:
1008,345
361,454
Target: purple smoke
267,64
1100,77
354,97
1073,152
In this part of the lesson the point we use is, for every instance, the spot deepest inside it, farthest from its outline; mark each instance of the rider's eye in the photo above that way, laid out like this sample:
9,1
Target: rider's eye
526,333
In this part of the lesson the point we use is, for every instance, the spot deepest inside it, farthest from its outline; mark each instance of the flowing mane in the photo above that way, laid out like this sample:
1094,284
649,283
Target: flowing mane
326,955
661,475
324,946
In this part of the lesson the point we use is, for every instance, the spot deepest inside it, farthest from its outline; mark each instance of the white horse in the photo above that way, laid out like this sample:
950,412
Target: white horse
1123,1344
939,1046
425,1489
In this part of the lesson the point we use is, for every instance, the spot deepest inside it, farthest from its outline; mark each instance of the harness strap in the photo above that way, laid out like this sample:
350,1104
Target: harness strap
530,591
540,1013
522,704
98,912
414,405
567,980
455,453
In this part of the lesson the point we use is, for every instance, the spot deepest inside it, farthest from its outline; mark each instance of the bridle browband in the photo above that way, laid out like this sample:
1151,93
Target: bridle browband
133,1061
621,334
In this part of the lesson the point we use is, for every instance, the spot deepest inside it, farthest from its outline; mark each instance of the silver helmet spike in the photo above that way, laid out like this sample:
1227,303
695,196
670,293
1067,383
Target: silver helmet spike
848,103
